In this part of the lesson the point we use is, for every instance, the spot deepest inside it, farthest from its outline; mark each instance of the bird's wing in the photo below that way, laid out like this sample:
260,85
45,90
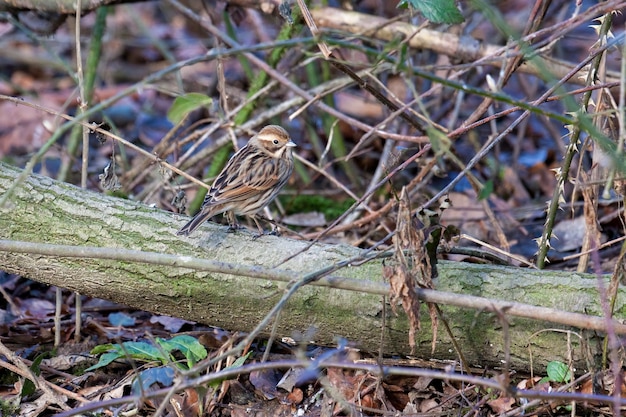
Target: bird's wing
245,176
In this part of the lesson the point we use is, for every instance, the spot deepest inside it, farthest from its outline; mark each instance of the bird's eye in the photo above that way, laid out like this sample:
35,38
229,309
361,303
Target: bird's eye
275,141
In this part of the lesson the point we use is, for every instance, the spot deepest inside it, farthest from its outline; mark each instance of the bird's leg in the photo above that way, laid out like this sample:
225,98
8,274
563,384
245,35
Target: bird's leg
268,218
273,232
232,222
261,231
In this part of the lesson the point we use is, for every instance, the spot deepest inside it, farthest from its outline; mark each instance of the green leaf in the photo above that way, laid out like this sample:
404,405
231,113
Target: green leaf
135,350
185,104
144,350
438,140
36,365
187,345
29,387
437,11
239,361
105,359
404,51
215,384
103,348
486,191
557,371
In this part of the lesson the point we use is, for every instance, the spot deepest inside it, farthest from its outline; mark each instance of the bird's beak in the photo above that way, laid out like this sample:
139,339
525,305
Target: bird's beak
290,144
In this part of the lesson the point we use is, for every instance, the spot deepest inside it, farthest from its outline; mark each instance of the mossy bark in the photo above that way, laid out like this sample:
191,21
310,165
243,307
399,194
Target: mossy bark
46,211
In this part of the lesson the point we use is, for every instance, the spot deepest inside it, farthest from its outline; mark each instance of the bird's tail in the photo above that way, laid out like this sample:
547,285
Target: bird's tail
202,216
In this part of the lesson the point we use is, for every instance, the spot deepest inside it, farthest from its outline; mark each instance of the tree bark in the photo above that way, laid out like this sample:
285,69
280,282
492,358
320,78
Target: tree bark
46,211
58,6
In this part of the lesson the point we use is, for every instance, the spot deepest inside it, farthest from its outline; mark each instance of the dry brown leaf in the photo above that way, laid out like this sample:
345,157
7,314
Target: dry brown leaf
410,268
352,387
430,406
264,382
189,403
296,396
501,405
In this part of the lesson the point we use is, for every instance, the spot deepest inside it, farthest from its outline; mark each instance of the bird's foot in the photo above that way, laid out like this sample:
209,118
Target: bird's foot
232,228
273,232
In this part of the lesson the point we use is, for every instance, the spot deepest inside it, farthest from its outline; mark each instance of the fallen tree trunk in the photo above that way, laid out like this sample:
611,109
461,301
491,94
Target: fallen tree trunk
251,276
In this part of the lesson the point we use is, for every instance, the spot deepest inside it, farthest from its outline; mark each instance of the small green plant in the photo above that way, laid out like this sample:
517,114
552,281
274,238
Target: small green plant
149,352
437,11
185,104
161,352
557,372
238,363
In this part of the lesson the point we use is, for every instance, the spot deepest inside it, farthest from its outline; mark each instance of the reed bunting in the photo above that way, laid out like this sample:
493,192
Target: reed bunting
250,180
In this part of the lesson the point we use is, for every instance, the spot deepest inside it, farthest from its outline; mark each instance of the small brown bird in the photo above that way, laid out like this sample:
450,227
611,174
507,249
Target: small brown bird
250,180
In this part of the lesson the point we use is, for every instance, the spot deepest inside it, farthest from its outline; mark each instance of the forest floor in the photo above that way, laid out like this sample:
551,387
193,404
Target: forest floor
435,120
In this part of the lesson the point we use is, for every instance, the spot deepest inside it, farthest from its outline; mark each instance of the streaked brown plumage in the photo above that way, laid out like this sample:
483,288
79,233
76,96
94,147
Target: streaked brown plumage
250,180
